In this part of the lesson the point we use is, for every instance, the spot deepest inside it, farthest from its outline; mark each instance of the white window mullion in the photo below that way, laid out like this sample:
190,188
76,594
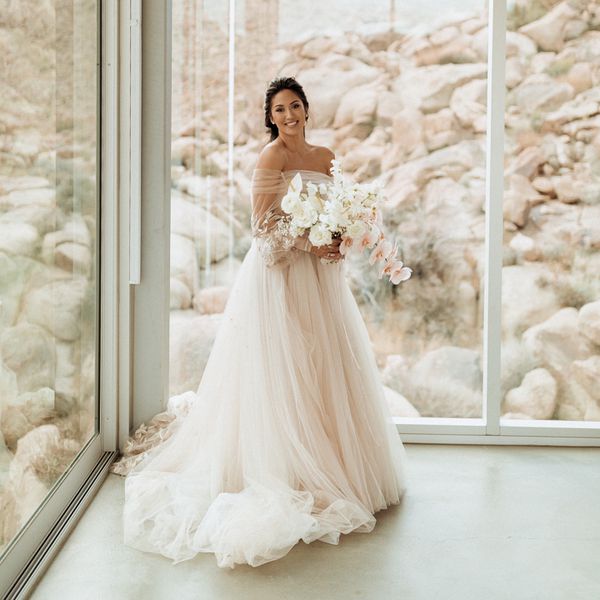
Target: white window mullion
494,191
108,247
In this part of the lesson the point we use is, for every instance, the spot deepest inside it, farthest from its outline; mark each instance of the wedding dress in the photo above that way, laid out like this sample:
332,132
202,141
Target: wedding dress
288,436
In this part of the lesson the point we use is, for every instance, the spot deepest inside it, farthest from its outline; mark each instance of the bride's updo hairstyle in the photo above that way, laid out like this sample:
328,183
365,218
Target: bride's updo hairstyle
276,86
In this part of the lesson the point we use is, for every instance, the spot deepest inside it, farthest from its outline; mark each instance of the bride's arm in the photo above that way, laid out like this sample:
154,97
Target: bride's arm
268,187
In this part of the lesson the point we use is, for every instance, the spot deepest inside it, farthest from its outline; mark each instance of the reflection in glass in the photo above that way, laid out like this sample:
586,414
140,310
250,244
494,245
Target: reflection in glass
48,231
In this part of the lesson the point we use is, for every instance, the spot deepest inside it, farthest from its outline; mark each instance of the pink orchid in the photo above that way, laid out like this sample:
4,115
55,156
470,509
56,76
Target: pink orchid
369,239
381,251
346,244
385,268
392,254
400,272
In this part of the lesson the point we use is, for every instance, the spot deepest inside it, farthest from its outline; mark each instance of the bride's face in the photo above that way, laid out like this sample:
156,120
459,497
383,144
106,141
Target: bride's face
287,112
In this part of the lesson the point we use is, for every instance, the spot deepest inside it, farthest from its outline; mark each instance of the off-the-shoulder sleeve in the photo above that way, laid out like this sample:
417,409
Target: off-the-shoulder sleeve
276,246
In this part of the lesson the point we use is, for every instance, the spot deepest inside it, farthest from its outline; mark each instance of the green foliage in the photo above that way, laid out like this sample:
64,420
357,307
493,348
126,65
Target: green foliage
432,293
576,290
560,67
520,15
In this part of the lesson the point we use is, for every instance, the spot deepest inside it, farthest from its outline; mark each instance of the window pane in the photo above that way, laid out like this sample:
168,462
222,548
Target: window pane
48,232
551,288
397,92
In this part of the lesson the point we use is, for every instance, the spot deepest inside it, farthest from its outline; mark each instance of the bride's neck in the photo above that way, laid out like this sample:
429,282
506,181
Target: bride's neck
294,144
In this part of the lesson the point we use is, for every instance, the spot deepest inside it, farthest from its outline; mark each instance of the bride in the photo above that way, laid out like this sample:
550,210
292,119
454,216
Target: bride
288,436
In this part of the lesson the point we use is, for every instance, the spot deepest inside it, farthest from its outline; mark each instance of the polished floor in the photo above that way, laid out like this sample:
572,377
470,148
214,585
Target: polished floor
477,523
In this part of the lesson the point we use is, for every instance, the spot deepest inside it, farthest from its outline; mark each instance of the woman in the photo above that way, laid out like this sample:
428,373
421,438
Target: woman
288,436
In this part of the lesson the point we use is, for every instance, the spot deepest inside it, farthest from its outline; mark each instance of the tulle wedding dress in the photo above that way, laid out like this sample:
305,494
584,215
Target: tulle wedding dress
288,436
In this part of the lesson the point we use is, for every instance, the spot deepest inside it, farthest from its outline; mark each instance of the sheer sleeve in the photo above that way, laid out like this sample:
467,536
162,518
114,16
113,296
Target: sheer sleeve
276,246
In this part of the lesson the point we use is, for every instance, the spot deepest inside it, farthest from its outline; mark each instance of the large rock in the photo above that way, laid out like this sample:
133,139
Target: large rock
74,258
540,92
407,129
350,73
395,372
527,162
567,189
184,263
28,197
364,161
211,300
447,363
357,107
586,104
440,129
558,342
222,273
468,103
587,374
399,406
445,45
525,302
16,275
445,382
446,201
535,397
18,238
550,31
180,295
25,182
515,72
525,247
9,389
430,88
194,222
57,307
191,340
388,106
588,321
43,218
515,208
38,406
453,161
558,345
69,248
30,352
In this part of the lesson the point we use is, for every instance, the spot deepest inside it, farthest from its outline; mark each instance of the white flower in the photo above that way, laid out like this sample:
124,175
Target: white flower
304,214
290,202
296,184
356,229
319,235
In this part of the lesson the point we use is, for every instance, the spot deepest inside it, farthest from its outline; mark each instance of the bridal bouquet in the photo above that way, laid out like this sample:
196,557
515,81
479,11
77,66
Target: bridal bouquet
346,210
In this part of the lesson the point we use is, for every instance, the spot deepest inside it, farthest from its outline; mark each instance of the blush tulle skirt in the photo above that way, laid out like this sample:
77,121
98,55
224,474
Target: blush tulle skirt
288,436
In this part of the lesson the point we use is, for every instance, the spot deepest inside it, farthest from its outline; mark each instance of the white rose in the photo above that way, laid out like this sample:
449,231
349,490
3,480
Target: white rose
290,202
319,235
304,215
356,229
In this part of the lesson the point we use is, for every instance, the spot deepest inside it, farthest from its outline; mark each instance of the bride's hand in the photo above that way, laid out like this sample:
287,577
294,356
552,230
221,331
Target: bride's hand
329,251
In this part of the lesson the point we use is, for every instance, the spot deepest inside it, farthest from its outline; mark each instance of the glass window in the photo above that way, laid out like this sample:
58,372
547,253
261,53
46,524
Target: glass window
551,262
48,241
397,91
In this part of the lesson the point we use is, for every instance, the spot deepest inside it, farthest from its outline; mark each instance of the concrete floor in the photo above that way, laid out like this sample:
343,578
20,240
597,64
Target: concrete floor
477,523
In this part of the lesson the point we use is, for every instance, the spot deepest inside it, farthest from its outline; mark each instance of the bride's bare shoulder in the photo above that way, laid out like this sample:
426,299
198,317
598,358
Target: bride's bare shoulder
271,157
326,156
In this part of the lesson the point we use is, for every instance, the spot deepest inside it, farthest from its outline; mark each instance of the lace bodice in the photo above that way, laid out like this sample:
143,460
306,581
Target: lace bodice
268,188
